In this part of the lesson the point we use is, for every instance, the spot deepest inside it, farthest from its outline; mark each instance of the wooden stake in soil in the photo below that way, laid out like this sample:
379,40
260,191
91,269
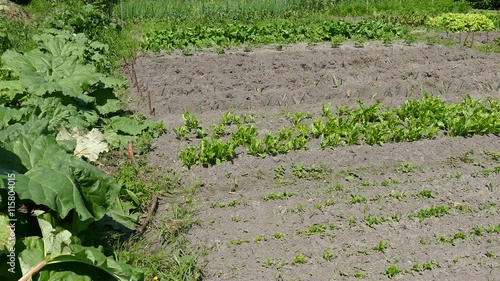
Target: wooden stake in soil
151,109
154,201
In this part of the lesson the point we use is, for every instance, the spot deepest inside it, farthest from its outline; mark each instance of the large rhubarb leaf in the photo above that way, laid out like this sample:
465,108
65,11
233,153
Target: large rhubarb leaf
61,113
51,177
10,115
106,101
128,125
58,255
41,73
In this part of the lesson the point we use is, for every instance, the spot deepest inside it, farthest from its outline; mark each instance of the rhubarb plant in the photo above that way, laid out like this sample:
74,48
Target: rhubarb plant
57,114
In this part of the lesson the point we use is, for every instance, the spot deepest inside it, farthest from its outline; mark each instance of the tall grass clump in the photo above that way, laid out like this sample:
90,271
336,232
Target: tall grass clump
357,8
218,10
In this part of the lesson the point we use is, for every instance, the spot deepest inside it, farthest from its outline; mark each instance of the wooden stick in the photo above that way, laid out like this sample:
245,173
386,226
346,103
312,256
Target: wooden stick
154,201
151,110
154,204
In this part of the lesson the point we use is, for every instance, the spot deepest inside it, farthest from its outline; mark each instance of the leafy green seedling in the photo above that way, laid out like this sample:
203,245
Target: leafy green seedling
425,193
278,235
392,271
314,229
357,199
277,196
381,246
360,274
327,255
299,259
437,211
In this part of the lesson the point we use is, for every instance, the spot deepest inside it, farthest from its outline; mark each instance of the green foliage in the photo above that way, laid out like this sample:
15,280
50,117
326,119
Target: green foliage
309,172
278,196
216,11
454,22
57,246
209,152
286,31
16,35
381,246
79,16
73,185
354,8
437,211
417,119
392,271
314,229
299,259
54,90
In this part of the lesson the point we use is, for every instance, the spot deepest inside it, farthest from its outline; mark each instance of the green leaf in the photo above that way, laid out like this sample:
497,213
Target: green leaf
106,102
9,90
33,126
73,184
42,73
128,125
121,216
60,274
57,247
32,255
10,115
117,141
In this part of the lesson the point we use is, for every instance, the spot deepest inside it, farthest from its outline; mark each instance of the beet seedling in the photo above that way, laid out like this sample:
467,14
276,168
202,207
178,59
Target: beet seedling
277,196
327,255
381,246
393,270
278,235
437,211
355,199
314,229
299,259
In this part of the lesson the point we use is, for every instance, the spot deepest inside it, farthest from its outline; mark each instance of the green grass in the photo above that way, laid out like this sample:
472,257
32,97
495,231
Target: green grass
16,35
164,265
217,10
210,11
358,8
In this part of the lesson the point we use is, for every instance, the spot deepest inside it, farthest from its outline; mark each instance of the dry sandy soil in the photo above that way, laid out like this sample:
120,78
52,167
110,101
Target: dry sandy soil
341,203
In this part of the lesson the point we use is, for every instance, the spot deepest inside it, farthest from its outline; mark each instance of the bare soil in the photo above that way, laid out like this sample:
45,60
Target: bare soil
238,227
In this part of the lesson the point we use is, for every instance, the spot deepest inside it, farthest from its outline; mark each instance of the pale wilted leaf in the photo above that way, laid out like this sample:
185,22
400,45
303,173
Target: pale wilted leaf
88,145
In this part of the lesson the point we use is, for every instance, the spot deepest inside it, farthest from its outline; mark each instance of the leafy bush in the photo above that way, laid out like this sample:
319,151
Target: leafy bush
77,16
457,23
276,31
57,110
462,22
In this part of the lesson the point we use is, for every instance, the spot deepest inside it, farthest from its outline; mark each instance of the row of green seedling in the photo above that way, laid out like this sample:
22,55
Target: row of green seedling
424,118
